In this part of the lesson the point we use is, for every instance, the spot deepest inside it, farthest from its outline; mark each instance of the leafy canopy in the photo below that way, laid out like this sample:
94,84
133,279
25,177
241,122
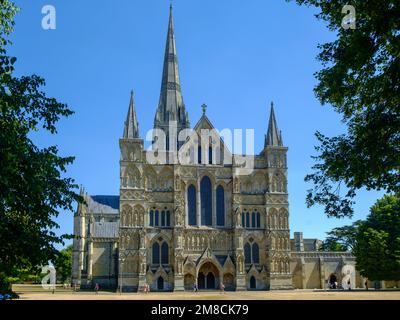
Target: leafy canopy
63,264
32,184
377,246
375,242
360,79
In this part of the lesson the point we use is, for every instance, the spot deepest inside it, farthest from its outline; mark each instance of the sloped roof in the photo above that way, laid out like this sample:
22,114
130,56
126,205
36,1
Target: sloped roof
107,200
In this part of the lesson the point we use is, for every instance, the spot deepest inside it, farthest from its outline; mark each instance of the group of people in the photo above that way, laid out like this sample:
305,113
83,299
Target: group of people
334,285
221,287
146,287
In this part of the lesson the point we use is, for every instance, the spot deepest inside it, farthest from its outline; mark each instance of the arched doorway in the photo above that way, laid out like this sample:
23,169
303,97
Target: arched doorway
253,283
210,281
201,281
160,283
332,281
208,276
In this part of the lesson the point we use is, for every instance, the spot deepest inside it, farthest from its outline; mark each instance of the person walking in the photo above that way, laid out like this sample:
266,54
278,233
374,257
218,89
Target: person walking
222,287
195,289
96,288
366,285
349,284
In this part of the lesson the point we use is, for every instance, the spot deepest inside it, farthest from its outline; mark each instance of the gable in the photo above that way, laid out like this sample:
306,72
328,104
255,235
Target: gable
204,129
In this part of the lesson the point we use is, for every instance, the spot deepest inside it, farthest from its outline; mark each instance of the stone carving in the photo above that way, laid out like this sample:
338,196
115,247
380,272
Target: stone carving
236,185
177,182
179,218
240,264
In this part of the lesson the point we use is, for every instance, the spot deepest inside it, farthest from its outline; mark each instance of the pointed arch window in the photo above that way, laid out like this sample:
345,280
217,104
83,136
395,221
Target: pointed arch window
191,199
156,253
206,201
163,218
160,252
251,252
167,143
220,206
151,218
199,154
255,253
210,154
164,253
253,219
247,253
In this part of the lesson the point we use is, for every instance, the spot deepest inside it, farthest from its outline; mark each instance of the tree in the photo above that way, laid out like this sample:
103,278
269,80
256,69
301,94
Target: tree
360,79
332,245
32,186
377,246
63,264
342,238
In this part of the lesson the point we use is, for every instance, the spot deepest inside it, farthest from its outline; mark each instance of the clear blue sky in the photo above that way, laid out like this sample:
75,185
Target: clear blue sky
234,55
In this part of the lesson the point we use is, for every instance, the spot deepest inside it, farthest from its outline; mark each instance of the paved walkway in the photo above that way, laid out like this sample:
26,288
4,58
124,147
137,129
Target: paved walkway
247,295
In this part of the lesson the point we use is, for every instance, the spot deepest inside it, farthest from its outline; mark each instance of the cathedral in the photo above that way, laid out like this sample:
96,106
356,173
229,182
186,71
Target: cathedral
189,213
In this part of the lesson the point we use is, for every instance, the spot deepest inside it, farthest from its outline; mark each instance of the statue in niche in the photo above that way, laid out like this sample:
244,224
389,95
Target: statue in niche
240,264
179,241
179,266
240,240
177,182
236,185
238,220
142,239
143,267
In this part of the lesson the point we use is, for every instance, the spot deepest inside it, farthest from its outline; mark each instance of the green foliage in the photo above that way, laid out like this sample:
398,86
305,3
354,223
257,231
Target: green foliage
342,238
360,79
32,186
377,247
63,264
332,245
24,275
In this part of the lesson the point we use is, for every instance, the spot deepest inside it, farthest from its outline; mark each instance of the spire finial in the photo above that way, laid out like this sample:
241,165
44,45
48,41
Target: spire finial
170,4
204,108
131,128
274,136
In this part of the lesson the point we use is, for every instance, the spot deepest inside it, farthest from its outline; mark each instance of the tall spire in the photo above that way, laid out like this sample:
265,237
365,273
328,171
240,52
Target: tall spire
171,106
131,128
274,136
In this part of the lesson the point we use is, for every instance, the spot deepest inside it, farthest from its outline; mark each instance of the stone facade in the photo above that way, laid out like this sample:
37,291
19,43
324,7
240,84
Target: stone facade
203,221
